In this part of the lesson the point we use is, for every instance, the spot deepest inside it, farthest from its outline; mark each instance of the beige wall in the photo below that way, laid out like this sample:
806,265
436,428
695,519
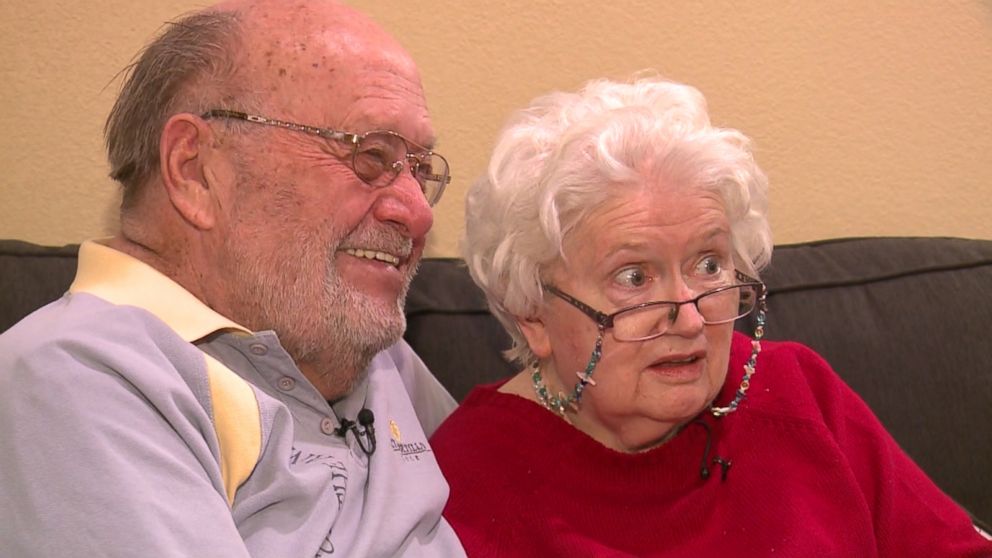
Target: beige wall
871,118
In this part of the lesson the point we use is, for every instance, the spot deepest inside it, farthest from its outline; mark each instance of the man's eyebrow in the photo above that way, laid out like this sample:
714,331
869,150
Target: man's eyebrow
431,144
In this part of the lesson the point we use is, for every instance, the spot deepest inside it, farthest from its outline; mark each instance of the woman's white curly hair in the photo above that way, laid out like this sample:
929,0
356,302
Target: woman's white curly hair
567,153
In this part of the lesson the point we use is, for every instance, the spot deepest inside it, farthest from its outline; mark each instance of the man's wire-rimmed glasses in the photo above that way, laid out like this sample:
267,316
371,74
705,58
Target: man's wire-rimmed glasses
648,320
377,157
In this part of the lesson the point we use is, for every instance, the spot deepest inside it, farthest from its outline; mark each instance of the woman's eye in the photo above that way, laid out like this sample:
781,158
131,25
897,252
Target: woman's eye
709,266
632,277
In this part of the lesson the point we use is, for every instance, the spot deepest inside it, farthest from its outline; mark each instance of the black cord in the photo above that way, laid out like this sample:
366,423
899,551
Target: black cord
366,419
364,436
704,469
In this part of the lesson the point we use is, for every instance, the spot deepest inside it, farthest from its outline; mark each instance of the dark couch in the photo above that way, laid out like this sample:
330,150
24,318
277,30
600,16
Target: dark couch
905,321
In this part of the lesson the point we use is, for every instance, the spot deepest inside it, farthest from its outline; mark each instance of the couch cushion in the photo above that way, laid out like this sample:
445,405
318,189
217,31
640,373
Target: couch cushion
450,327
32,276
906,323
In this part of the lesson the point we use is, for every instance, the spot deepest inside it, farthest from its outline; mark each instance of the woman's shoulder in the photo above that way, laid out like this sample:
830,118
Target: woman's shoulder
487,419
792,381
499,437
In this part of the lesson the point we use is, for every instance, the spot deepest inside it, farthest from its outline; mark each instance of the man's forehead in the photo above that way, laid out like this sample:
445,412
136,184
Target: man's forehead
293,48
282,12
327,65
296,27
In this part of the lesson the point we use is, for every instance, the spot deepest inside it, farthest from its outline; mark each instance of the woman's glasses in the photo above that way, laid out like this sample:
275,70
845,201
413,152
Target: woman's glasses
652,319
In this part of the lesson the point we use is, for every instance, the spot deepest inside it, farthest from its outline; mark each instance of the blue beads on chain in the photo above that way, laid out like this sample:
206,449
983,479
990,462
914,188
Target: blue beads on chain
560,402
759,332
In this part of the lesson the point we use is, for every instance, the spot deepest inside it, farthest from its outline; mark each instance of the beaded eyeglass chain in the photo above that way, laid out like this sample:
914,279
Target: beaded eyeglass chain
559,402
759,332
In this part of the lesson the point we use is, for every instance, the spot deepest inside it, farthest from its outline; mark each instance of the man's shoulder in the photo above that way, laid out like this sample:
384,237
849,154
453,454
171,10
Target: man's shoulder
81,330
399,355
400,359
430,399
74,315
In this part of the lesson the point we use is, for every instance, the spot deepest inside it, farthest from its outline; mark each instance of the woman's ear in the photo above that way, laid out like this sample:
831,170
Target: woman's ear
536,334
183,151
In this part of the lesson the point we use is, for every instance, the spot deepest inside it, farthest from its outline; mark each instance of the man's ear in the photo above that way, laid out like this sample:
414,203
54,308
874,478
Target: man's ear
184,148
537,336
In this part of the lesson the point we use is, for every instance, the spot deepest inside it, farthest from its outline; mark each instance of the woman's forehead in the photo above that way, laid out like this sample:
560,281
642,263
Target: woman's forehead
649,216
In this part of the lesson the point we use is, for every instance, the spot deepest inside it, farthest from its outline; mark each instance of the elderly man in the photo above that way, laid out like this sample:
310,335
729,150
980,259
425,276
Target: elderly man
225,376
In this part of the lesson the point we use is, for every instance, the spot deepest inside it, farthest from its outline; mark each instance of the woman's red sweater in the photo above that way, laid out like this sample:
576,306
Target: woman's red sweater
811,473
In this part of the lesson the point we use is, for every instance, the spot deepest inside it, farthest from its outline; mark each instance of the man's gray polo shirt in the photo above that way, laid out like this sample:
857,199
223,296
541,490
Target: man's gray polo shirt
124,432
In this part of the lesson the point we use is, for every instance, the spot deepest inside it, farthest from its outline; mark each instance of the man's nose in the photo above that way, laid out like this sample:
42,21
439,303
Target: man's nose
403,203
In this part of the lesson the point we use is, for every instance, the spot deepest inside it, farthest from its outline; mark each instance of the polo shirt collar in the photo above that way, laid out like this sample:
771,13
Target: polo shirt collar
124,280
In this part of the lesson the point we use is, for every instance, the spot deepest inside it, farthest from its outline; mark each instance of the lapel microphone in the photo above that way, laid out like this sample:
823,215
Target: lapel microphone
704,466
364,436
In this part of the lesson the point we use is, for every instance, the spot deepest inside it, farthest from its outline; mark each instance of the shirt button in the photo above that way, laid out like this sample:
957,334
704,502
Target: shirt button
327,426
258,349
286,383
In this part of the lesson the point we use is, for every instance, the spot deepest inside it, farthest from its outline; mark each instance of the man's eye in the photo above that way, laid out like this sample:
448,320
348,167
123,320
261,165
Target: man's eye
424,168
374,156
632,277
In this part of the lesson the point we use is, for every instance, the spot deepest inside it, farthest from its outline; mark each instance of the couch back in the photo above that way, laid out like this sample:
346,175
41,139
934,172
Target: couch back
906,322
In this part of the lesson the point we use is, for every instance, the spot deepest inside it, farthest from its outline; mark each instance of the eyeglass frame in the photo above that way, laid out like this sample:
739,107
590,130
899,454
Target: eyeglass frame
354,140
605,321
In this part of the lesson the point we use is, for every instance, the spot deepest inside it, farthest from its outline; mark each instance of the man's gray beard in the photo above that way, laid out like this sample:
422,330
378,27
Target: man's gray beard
358,328
331,325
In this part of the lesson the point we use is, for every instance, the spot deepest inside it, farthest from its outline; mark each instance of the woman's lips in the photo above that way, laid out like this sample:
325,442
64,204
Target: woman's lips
679,367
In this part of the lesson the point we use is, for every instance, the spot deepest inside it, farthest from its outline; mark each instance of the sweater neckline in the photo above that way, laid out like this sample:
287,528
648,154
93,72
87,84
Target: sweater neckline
685,450
572,444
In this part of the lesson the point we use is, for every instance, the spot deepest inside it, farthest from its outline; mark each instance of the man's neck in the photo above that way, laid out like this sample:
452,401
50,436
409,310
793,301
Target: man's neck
334,382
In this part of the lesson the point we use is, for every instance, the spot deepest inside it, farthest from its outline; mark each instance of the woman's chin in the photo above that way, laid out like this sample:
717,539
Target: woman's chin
682,404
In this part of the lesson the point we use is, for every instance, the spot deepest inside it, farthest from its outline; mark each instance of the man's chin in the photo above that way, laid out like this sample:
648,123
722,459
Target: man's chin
377,326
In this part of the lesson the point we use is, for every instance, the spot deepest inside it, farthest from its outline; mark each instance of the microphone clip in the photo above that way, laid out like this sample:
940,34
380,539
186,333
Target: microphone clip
365,436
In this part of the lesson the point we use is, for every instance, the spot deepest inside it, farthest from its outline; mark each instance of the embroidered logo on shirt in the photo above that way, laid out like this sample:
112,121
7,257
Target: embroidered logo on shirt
411,451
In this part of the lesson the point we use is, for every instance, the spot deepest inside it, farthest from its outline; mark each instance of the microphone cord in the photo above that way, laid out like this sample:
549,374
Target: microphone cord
366,436
366,418
704,466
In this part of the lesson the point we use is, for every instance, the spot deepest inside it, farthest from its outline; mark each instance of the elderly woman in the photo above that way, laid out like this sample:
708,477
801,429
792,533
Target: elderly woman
618,236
